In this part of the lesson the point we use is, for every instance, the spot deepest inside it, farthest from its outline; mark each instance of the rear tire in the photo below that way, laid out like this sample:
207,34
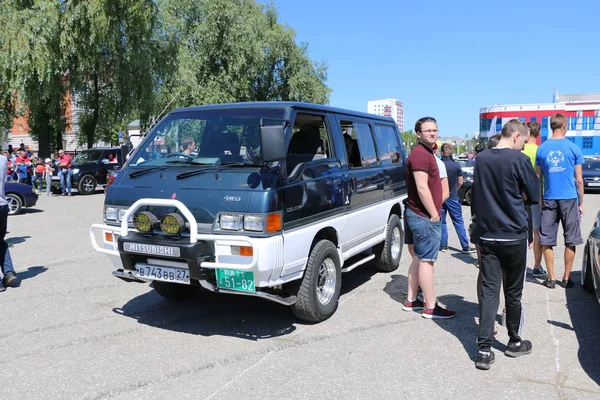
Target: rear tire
389,252
174,291
15,204
587,278
318,295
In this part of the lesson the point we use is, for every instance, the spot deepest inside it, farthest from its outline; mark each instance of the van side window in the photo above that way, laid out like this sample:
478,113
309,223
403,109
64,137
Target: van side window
310,141
388,145
360,147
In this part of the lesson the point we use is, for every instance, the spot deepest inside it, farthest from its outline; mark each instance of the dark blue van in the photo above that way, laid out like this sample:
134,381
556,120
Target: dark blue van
273,199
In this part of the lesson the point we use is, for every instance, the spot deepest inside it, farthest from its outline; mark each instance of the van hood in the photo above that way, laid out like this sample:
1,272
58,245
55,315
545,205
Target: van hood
244,190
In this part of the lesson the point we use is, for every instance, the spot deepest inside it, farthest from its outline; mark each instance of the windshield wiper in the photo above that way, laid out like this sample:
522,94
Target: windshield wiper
144,171
221,167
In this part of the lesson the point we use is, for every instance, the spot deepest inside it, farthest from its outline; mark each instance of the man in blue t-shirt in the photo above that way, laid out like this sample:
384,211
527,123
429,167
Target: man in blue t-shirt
558,161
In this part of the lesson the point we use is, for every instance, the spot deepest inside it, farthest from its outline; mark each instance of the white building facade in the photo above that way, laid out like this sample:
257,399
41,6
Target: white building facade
388,108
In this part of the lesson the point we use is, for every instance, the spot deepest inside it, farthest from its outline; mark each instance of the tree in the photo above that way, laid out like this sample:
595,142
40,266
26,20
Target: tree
224,57
33,66
113,49
409,138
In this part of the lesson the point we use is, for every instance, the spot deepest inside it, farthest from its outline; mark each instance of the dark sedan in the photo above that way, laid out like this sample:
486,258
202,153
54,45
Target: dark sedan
464,192
591,174
590,268
19,196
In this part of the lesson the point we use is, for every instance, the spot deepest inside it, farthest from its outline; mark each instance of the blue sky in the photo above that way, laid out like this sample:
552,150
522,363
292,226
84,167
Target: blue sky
448,59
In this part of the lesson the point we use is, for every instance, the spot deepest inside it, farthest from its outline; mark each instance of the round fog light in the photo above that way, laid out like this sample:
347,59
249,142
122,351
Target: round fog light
144,221
172,224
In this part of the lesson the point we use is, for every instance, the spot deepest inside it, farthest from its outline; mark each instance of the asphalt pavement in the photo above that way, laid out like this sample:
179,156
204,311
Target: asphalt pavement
73,331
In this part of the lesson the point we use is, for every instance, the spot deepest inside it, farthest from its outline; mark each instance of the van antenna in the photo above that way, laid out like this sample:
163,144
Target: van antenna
162,112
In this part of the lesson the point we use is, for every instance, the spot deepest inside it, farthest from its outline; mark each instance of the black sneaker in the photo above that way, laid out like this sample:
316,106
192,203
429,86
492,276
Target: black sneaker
444,249
2,287
10,279
485,359
539,273
549,284
518,349
567,283
468,250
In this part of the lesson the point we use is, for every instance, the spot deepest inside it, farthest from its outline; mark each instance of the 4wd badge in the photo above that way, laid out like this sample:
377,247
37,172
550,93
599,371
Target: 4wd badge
232,198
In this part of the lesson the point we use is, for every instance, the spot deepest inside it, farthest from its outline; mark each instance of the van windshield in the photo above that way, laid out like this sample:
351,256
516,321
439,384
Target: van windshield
206,137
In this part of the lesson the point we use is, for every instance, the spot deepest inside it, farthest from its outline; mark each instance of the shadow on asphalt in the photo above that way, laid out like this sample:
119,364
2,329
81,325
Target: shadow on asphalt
31,272
209,314
463,326
16,240
584,311
28,211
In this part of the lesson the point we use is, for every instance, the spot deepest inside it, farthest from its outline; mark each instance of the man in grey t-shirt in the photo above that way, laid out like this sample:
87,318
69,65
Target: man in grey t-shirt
8,272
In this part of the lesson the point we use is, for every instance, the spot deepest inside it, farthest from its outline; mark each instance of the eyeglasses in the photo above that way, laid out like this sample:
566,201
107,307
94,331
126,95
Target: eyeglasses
430,131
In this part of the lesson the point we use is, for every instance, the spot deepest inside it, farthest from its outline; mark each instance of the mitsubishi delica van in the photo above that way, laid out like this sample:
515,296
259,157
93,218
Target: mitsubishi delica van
275,200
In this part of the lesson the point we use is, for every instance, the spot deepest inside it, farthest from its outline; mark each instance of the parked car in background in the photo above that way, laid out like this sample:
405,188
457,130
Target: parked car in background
91,168
464,192
19,196
590,267
591,173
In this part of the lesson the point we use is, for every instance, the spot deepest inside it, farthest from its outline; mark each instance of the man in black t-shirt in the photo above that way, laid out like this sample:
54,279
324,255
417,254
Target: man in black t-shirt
503,183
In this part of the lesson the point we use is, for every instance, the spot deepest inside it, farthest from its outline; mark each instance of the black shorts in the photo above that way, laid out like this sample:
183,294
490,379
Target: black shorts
565,211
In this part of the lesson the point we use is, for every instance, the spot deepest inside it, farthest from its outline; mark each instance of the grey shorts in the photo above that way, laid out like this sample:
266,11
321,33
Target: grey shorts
567,213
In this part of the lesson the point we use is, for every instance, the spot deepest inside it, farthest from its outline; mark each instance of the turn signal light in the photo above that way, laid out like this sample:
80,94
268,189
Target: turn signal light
274,222
245,251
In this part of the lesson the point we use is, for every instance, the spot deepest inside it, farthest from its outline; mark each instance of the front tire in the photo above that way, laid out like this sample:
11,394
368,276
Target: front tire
587,279
389,252
15,204
87,185
318,295
174,291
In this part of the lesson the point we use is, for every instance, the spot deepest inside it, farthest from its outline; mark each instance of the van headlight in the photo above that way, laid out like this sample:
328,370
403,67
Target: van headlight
115,214
111,213
231,222
254,223
251,223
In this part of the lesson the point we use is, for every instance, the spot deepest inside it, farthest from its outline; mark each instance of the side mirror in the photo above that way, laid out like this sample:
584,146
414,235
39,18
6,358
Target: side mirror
596,233
272,143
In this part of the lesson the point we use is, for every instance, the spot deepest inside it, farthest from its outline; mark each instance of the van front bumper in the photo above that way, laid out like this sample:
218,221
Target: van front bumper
200,253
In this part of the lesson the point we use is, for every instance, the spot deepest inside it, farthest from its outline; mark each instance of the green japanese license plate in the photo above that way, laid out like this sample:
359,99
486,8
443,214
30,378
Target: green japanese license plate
234,279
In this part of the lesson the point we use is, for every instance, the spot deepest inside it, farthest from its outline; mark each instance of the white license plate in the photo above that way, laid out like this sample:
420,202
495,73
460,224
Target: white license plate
162,273
594,184
152,249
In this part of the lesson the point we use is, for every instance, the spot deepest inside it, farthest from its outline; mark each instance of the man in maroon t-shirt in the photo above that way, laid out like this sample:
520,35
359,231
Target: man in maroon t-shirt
64,171
422,215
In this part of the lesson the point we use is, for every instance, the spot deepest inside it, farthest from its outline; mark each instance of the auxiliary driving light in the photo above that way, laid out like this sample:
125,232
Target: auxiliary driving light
144,221
172,224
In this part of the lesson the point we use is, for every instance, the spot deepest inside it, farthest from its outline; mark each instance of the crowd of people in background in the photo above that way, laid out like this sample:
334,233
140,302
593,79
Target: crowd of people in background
24,167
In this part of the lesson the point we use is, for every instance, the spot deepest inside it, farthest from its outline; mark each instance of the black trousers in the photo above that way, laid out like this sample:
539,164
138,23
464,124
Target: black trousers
501,263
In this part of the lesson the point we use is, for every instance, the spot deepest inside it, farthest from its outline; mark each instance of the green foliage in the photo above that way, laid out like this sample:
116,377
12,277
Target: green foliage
234,50
409,138
121,60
